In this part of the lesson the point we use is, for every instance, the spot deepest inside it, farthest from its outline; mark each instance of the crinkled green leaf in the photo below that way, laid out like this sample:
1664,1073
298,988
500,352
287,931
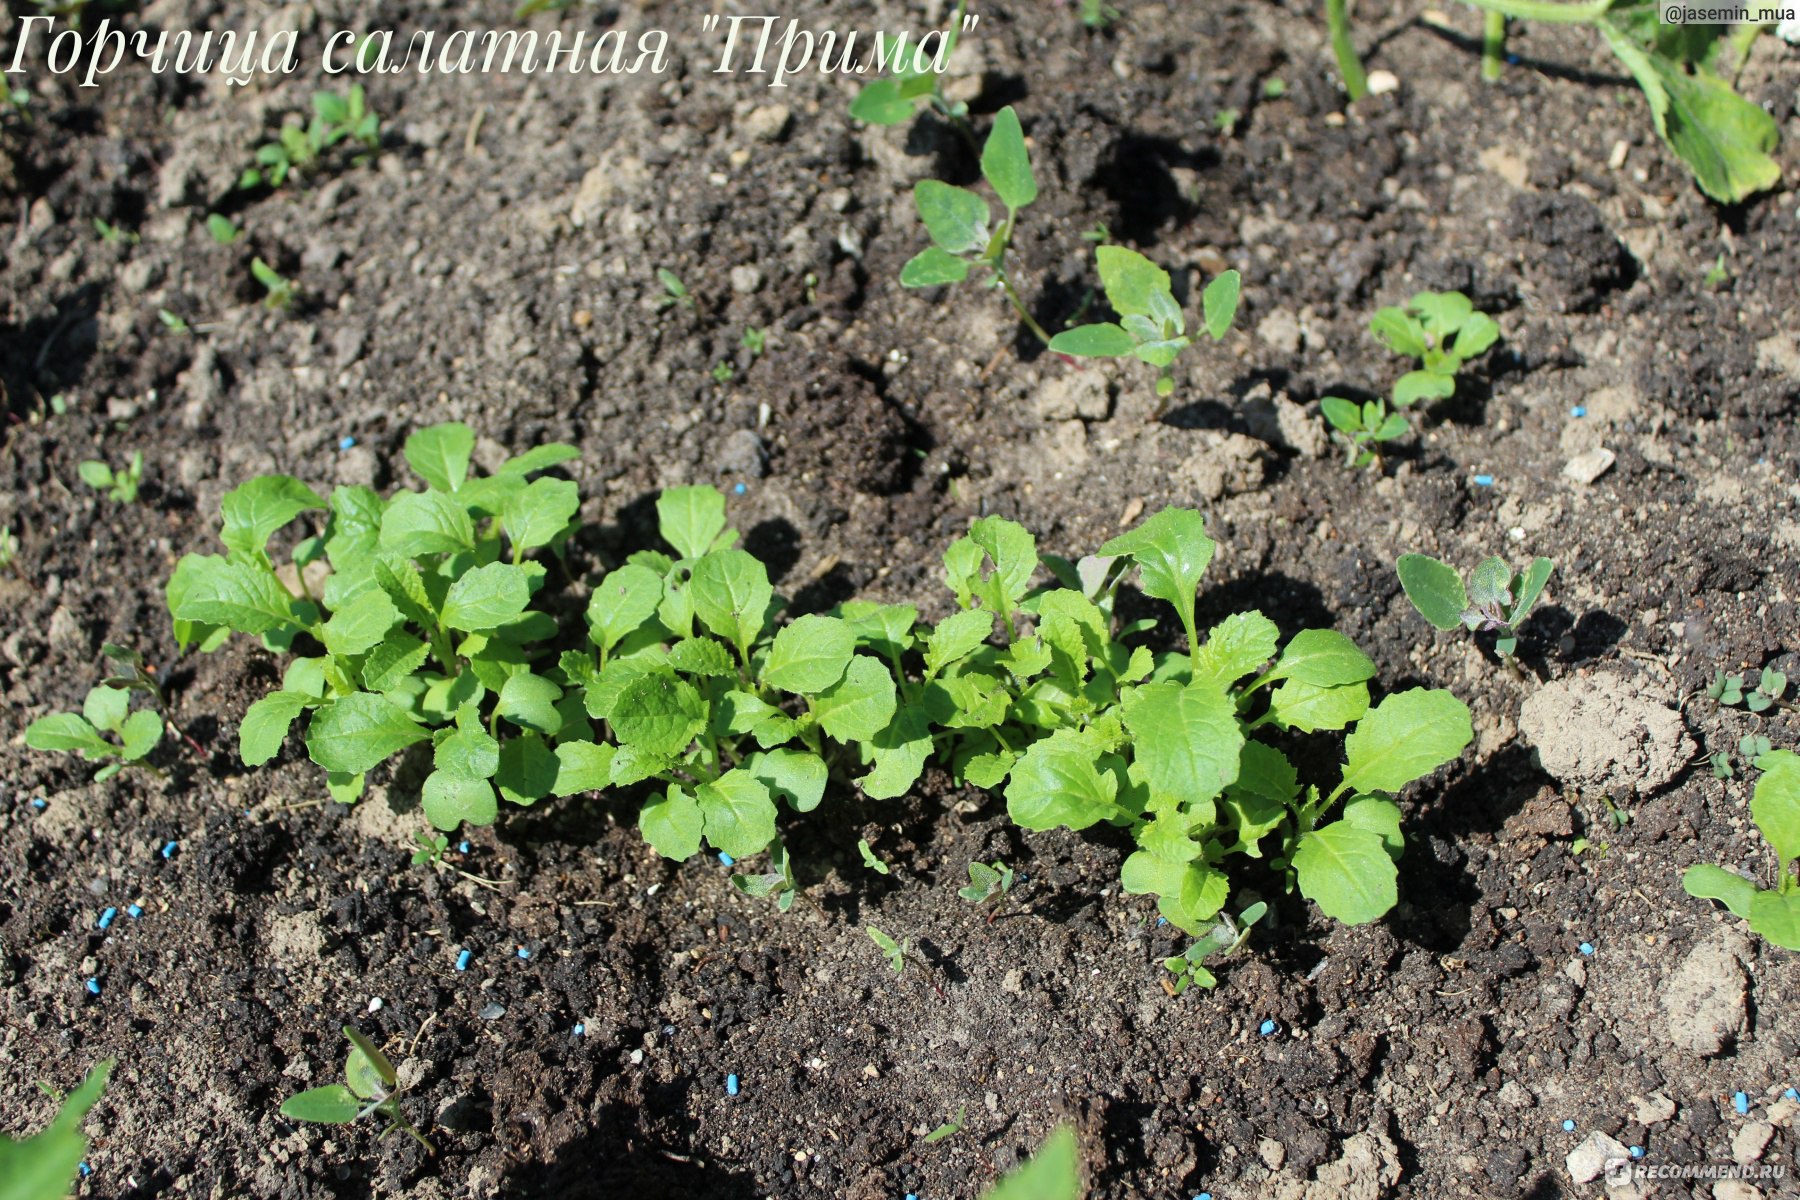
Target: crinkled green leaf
253,511
528,769
625,599
1172,551
486,597
1406,736
354,733
360,625
1235,647
1347,872
691,518
398,655
141,732
421,523
859,706
901,751
1056,782
809,655
1131,282
1187,738
659,713
1324,657
731,593
535,514
468,754
739,813
702,656
238,595
439,454
582,767
956,637
1310,708
450,800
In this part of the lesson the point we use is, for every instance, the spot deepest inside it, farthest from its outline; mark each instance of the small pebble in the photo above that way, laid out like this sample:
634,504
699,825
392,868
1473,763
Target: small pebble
106,918
93,987
1266,1028
346,442
1484,481
1580,410
524,953
40,804
731,1085
1637,1152
134,911
493,1012
1586,948
1568,1127
462,961
580,1028
1741,1102
374,1004
727,859
168,850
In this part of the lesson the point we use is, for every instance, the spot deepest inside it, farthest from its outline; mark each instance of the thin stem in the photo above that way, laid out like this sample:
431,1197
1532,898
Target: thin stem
1337,19
1493,46
1012,297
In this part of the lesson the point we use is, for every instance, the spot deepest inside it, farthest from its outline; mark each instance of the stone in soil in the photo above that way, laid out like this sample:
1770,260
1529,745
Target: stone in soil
1606,733
1703,1002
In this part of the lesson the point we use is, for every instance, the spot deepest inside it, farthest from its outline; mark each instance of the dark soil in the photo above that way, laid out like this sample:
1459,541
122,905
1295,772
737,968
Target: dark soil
502,273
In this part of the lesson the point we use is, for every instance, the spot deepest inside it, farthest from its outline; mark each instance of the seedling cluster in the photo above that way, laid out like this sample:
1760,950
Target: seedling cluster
298,149
106,730
1495,600
120,485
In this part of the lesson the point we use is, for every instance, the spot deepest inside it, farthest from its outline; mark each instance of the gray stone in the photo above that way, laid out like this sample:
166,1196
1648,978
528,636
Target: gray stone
1587,1162
742,454
1748,1144
1703,1001
746,279
768,123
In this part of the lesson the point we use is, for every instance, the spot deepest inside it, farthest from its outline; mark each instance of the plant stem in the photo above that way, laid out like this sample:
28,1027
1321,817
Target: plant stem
1493,46
1349,65
1012,297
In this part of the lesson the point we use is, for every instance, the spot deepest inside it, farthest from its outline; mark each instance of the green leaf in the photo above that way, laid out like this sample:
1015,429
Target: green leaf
1776,916
1344,416
900,752
880,103
69,732
1171,550
360,625
1053,1173
1399,332
731,593
1442,313
1102,340
1187,738
869,858
420,523
440,454
1132,282
887,629
95,474
141,732
797,776
691,518
255,510
1490,583
1775,803
450,800
673,825
809,655
1434,588
351,734
539,458
1219,303
1406,736
956,218
659,713
468,753
739,813
625,599
1324,657
487,597
582,767
43,1167
1381,817
1347,872
933,267
529,701
1235,647
398,656
528,770
1056,783
702,656
107,707
859,706
1006,164
1531,586
333,1105
266,723
956,637
1707,882
1476,336
1191,893
1415,386
534,515
1310,708
209,590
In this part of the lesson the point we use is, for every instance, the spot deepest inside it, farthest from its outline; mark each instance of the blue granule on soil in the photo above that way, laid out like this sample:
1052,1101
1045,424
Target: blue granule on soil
462,961
1266,1028
740,488
1568,1127
93,987
135,911
1578,411
106,918
168,850
524,953
1484,481
731,1085
1637,1152
40,804
580,1029
346,442
727,859
1586,948
1741,1102
462,848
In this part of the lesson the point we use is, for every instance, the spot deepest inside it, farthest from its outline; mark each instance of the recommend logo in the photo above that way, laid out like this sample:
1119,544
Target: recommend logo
1624,1170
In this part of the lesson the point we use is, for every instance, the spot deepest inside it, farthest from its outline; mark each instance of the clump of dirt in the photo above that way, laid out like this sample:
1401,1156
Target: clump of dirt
1604,733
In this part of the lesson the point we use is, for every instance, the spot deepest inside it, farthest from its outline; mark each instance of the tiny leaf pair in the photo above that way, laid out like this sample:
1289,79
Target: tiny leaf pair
1151,325
1494,600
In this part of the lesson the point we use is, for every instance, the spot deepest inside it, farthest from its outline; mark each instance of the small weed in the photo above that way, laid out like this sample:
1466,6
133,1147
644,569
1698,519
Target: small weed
723,373
1053,1173
755,341
432,848
674,291
223,229
1363,427
1151,326
1098,14
870,859
1494,601
121,485
112,235
1750,747
1221,941
1718,274
987,883
898,99
1729,691
298,149
949,1128
895,952
1443,331
1274,89
278,290
370,1086
173,323
9,547
777,881
1226,121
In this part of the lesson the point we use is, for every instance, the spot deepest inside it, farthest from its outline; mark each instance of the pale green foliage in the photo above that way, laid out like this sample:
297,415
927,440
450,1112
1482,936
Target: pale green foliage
43,1166
299,149
1151,325
371,1086
1775,807
105,730
1494,600
120,485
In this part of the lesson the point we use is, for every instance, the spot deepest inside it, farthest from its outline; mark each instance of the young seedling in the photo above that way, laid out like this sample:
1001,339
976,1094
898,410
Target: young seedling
1098,14
1222,941
278,290
121,485
870,859
1053,1173
914,86
1494,601
1151,325
723,373
173,323
1750,747
112,235
957,220
949,1128
9,547
1363,428
223,229
298,149
45,1165
1443,331
895,952
674,291
1775,807
755,341
371,1086
1729,691
777,881
986,885
1337,22
107,710
432,848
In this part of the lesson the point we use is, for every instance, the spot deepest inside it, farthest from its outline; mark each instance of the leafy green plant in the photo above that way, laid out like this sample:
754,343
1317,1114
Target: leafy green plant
1151,325
1082,728
895,952
432,848
418,627
957,220
1223,940
754,340
1729,691
371,1086
723,373
1053,1173
674,291
777,881
949,1128
1363,427
299,148
1683,70
278,290
9,547
1775,807
1098,14
1750,747
912,87
1443,331
121,485
223,230
112,235
870,859
107,710
987,883
44,1166
1494,601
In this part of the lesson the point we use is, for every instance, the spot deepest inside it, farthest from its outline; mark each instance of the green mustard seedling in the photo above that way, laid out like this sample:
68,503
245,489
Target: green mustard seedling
675,292
1098,14
895,952
1775,807
1750,747
723,373
1729,691
418,623
174,323
1362,428
371,1086
870,859
1443,331
1053,1173
9,547
1223,940
913,85
754,340
1494,601
112,235
949,1128
987,883
223,229
432,848
44,1166
957,220
107,710
1151,325
278,290
777,881
121,485
298,149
